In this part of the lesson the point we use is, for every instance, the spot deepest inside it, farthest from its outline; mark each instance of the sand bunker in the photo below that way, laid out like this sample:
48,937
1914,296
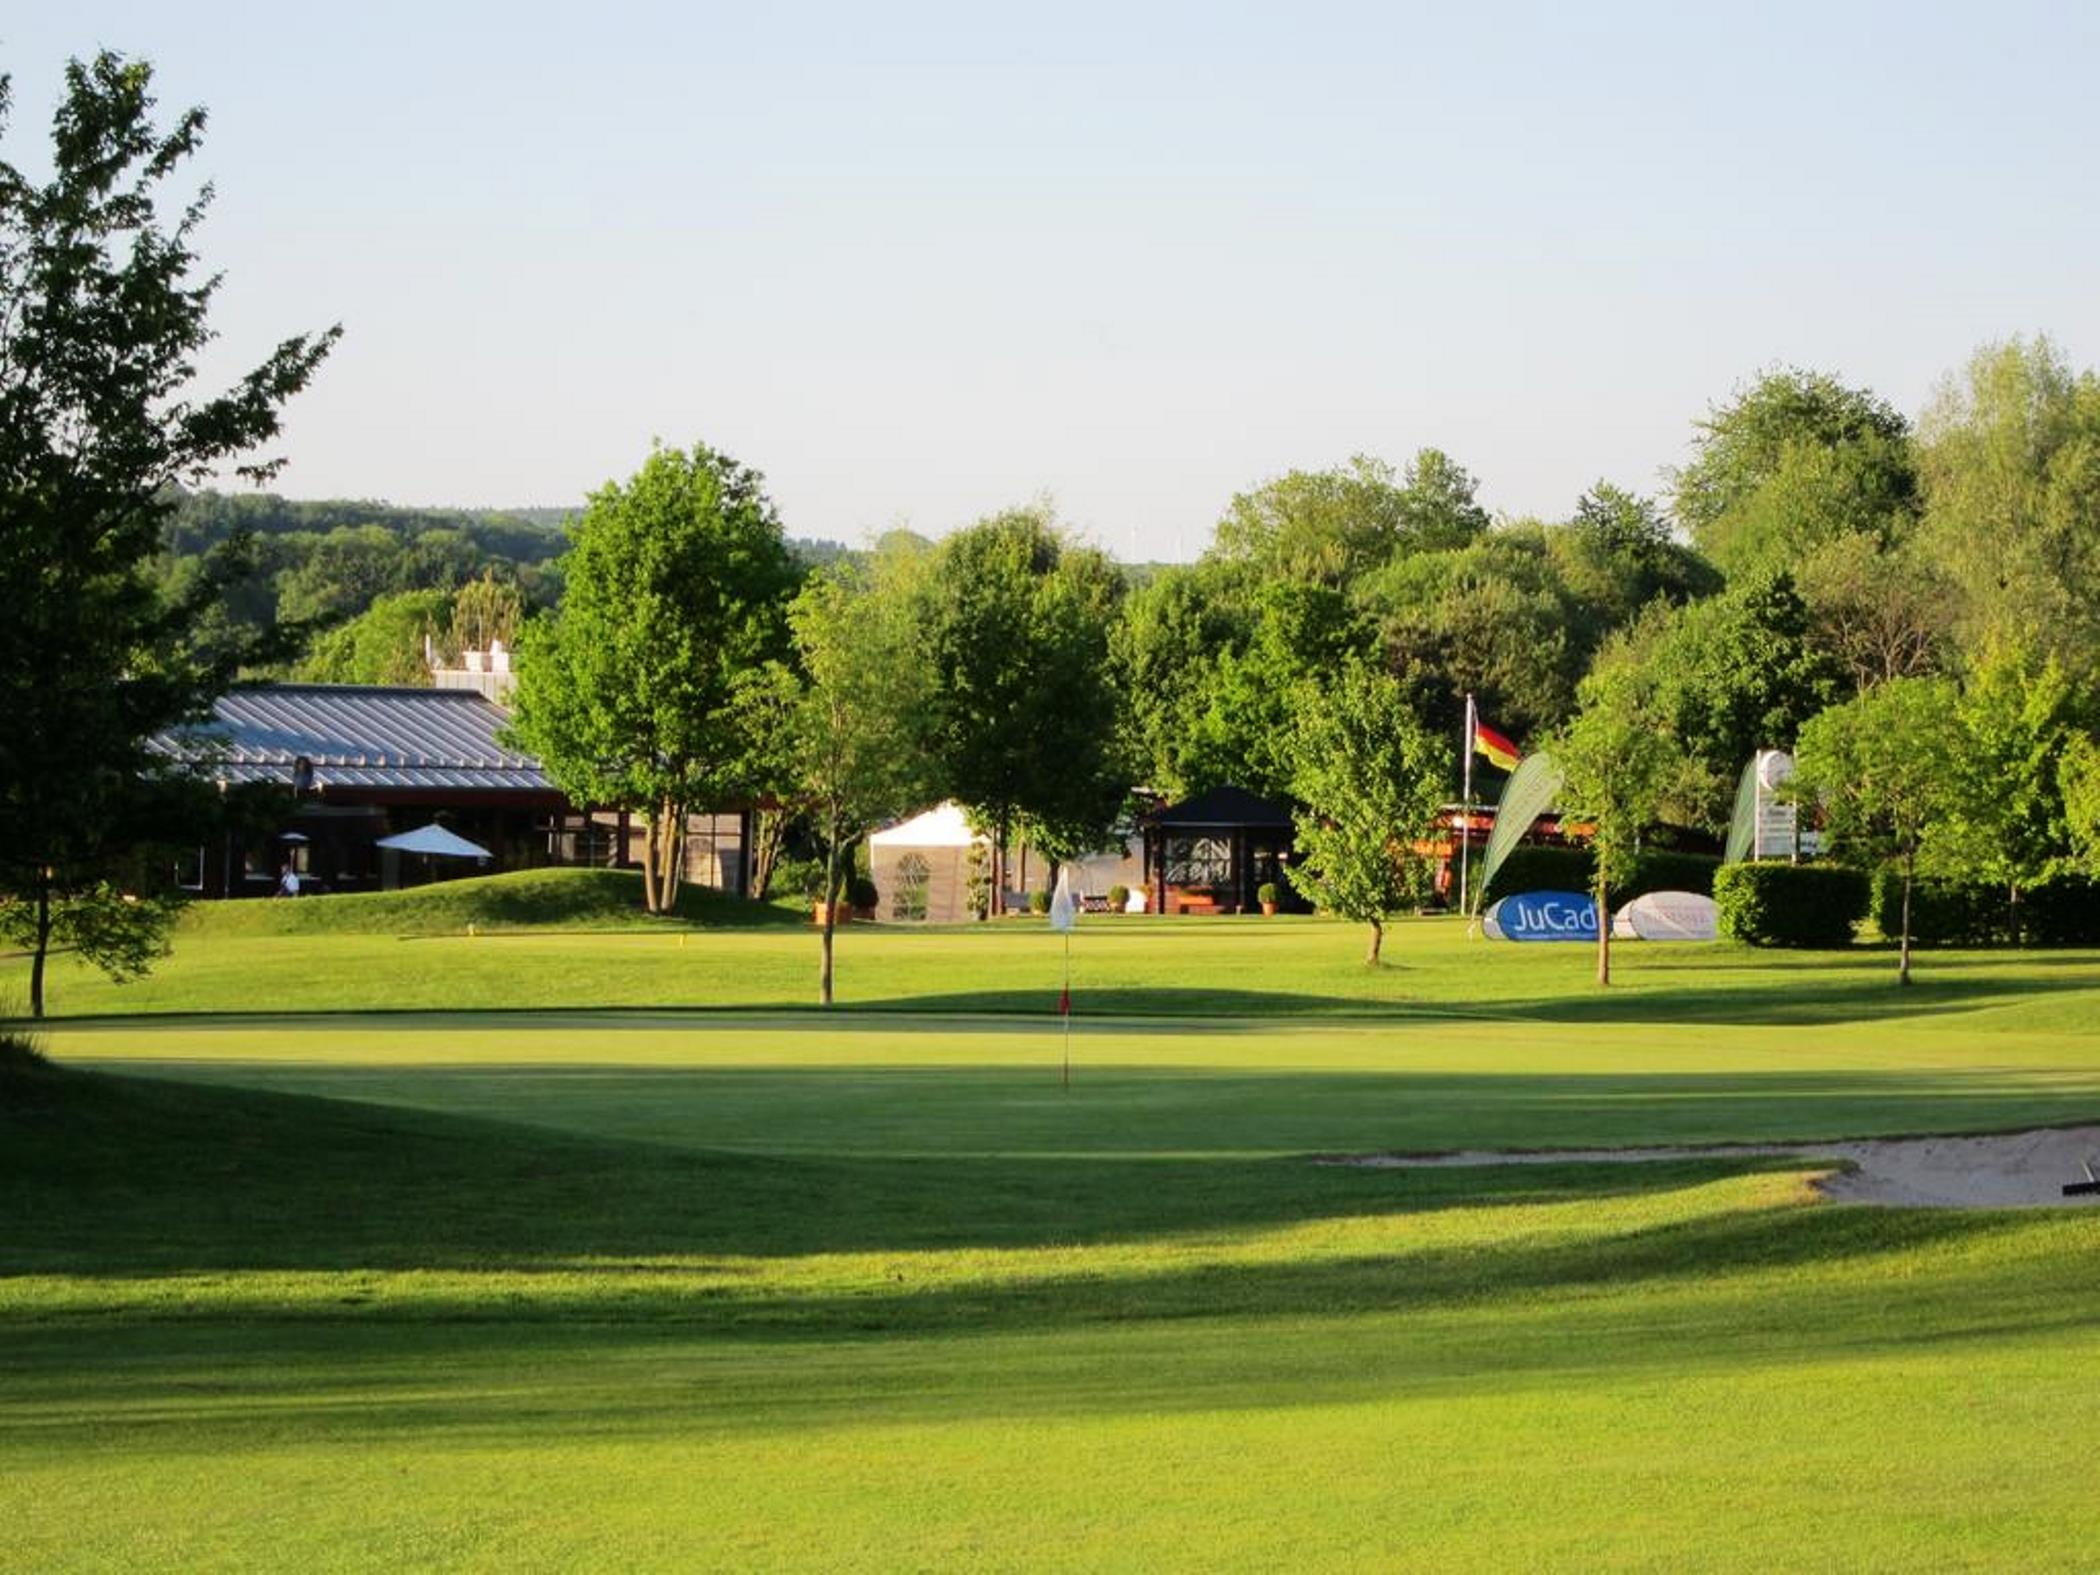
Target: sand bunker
2007,1170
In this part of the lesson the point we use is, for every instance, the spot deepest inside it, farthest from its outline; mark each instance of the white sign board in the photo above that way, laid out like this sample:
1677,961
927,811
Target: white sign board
1667,916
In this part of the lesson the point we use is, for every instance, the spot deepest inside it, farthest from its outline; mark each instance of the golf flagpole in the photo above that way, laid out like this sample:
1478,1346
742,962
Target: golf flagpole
1064,1007
1064,916
1465,818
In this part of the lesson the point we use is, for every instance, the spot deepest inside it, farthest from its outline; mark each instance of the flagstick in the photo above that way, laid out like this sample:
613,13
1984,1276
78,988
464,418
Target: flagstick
1465,822
1067,1002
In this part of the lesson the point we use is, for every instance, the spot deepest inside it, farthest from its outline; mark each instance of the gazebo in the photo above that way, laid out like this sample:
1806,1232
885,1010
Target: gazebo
1211,853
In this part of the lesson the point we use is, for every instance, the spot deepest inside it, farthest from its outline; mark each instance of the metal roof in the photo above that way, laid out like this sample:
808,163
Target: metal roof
357,737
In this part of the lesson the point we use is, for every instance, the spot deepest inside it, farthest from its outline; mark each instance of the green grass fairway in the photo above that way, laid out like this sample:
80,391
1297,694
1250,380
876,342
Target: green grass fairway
744,1286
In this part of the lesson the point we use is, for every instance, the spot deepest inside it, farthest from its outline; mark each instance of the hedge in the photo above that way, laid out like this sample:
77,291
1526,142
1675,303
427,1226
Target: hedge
1942,912
2062,911
1546,868
1789,904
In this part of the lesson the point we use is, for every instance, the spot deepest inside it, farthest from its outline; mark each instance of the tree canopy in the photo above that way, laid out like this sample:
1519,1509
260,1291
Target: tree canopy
103,315
678,583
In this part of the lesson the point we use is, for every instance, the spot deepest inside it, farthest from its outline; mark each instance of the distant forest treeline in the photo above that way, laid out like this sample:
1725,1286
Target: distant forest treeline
359,583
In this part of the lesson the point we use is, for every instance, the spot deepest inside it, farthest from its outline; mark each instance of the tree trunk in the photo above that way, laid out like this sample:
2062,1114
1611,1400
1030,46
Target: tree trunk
768,826
2012,913
1910,870
1377,943
43,943
997,905
1603,901
649,904
831,905
670,848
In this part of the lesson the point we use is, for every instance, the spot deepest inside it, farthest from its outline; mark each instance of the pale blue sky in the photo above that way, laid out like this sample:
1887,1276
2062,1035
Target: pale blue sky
919,263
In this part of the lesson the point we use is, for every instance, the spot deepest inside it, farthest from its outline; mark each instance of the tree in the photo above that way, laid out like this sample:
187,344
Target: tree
2005,816
1370,780
2078,778
485,611
1620,765
2010,453
384,644
1796,459
102,319
677,587
1879,612
1493,620
1021,721
1883,768
1328,527
855,712
1726,677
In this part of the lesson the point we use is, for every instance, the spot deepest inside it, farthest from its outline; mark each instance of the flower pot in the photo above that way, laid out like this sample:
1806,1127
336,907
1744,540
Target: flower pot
1268,910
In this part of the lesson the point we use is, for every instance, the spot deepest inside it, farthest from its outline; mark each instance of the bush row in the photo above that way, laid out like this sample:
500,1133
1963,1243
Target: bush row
1789,904
2061,911
1571,869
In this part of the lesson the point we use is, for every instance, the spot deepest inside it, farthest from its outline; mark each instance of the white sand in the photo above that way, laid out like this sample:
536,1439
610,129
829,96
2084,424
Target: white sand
2012,1170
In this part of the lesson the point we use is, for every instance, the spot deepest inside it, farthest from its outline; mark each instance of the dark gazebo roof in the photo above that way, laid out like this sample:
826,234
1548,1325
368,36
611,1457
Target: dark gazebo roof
1219,809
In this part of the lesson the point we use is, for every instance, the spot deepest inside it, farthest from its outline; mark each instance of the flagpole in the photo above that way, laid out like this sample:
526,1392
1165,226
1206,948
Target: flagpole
1465,819
1066,1002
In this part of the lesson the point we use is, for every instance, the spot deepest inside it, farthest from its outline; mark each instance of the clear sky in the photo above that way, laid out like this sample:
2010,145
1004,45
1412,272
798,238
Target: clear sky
917,263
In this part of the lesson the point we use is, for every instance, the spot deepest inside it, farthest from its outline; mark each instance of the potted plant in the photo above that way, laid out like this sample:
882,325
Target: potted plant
1267,895
1118,898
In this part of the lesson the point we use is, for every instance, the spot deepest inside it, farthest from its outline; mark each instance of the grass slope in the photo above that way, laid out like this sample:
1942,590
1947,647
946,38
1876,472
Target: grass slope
527,899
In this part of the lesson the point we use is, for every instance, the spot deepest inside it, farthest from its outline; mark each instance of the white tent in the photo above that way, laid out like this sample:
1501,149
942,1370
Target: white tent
436,841
943,826
922,866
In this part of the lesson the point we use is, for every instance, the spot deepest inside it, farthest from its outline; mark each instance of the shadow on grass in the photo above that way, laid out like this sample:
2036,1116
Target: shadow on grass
110,1175
1809,995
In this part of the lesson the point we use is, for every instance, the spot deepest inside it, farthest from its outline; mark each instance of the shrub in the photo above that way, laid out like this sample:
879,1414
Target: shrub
2063,910
861,892
1541,868
1668,871
1039,901
1118,898
799,877
1268,892
1789,904
1942,912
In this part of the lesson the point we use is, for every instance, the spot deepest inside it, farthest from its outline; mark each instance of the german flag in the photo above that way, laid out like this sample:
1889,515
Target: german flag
1492,744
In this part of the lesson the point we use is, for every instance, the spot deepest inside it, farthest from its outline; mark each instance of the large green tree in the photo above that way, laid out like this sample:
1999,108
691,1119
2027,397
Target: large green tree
1795,459
103,316
1021,721
855,710
1328,527
2010,452
2005,816
631,693
1884,769
1369,779
1727,676
1621,766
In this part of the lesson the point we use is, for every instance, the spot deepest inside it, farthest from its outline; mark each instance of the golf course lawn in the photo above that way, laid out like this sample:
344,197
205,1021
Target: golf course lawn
289,1280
